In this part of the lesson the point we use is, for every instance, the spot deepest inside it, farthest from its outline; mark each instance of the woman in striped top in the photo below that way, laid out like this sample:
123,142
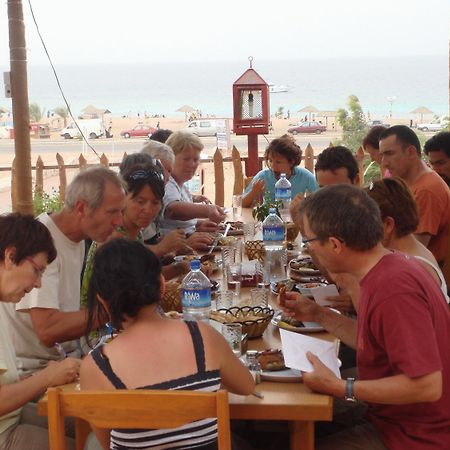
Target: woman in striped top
150,351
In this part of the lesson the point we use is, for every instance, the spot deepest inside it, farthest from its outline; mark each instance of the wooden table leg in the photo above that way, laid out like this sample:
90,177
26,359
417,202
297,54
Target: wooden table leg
82,430
301,435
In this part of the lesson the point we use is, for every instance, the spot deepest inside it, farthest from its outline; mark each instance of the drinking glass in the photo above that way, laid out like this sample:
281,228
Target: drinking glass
224,300
260,297
237,207
232,332
234,278
249,231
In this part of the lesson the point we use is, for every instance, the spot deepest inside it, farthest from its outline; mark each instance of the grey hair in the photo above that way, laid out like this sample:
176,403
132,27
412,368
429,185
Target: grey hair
158,150
181,139
89,185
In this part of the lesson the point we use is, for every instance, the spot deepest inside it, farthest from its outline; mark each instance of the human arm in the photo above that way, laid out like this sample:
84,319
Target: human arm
188,211
206,225
201,199
295,202
53,325
175,270
394,390
254,193
172,242
15,395
199,240
304,309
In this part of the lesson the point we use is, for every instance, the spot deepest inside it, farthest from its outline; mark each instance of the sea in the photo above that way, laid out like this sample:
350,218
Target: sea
384,86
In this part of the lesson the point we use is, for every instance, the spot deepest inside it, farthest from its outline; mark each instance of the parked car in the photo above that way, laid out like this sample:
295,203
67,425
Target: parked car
91,128
308,127
376,123
138,131
432,126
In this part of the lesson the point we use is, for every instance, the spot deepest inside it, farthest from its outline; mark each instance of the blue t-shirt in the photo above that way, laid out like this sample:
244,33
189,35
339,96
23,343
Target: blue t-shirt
302,180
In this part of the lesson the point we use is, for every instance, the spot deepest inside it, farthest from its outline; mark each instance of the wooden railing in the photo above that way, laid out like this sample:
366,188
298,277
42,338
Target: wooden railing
222,191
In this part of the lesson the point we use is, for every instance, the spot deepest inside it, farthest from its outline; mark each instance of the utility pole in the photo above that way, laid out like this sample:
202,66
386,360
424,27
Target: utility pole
20,107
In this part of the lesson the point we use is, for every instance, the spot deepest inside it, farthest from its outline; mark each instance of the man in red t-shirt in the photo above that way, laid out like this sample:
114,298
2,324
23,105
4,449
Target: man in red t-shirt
401,155
402,332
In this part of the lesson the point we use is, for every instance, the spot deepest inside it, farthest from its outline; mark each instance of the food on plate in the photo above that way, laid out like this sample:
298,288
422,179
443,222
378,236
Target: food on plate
271,360
276,286
227,240
290,321
229,318
304,264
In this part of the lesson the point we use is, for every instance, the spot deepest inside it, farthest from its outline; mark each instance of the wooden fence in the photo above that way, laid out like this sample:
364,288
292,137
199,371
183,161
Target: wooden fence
222,190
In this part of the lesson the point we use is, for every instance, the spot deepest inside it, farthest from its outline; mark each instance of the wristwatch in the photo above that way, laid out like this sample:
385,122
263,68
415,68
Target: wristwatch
349,394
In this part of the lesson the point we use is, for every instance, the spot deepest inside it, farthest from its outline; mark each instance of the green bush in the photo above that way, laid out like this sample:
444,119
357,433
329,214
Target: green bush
47,202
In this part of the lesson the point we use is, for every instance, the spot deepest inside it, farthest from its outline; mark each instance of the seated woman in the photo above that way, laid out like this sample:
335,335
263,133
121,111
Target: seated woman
282,155
399,213
26,247
145,191
151,351
181,209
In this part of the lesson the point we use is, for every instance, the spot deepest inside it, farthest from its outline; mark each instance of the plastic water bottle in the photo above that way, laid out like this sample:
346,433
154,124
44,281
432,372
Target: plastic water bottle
283,193
275,253
196,294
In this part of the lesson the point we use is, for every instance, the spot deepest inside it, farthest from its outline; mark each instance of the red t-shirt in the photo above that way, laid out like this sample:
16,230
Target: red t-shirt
404,328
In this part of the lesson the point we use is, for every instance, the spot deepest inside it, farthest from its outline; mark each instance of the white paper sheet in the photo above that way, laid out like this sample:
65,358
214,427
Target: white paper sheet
295,346
320,293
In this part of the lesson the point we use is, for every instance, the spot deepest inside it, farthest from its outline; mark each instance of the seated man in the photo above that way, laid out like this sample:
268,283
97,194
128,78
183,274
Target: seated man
337,165
401,155
47,322
437,149
402,333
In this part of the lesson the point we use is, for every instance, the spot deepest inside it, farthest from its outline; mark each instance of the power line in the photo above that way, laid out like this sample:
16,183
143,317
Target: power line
57,81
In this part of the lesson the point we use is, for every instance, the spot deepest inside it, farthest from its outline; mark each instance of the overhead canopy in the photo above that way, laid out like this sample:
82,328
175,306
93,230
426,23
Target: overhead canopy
309,109
186,109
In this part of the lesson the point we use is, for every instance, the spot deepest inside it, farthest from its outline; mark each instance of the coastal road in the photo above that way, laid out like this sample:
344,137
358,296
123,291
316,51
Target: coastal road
114,148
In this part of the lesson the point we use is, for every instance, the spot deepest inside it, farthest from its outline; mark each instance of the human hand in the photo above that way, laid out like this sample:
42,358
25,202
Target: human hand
216,213
173,242
301,308
200,241
201,199
342,302
294,207
62,372
206,225
321,379
258,187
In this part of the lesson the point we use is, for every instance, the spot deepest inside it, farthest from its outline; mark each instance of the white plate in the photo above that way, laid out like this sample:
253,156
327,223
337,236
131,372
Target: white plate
309,327
283,376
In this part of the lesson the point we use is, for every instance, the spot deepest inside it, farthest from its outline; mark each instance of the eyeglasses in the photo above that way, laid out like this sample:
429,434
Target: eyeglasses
142,174
306,242
39,271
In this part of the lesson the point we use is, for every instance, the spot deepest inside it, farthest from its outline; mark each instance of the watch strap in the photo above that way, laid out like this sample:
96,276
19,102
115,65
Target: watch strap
349,390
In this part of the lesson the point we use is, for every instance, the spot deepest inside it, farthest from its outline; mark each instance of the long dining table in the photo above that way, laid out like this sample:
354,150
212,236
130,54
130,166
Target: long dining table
281,401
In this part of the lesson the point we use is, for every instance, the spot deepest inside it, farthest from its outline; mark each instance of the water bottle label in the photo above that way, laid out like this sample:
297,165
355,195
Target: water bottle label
273,233
283,193
198,298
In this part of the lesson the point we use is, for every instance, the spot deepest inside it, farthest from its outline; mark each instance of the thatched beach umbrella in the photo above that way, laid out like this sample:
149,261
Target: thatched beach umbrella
309,109
326,115
421,110
186,109
94,112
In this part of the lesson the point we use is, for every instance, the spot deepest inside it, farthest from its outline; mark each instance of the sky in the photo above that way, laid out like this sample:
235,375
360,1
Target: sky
145,31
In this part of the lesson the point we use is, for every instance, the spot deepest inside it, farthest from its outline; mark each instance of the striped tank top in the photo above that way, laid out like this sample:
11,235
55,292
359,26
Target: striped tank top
198,435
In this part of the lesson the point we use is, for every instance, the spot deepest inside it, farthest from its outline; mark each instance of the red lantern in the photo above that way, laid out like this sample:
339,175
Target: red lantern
251,113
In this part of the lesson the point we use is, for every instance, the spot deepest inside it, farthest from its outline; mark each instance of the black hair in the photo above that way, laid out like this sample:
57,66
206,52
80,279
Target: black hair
161,135
404,135
27,235
333,158
373,137
345,212
126,275
439,142
142,170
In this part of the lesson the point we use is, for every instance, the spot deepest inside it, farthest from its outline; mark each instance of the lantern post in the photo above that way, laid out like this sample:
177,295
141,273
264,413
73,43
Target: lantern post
251,113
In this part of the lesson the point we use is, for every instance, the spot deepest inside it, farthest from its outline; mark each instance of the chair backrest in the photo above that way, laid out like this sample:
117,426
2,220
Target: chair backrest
142,409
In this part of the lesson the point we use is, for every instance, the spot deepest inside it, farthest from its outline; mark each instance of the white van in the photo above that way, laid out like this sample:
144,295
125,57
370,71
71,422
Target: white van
91,128
203,127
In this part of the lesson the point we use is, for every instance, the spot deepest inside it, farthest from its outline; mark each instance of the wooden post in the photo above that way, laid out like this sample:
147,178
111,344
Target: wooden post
238,186
252,165
62,178
82,162
309,158
360,158
13,186
104,160
219,178
22,198
39,184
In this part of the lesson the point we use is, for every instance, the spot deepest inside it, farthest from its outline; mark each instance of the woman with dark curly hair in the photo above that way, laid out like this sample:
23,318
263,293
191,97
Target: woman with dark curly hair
282,155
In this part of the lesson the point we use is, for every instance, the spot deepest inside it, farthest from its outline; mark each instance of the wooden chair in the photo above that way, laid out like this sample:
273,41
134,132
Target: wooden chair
142,409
